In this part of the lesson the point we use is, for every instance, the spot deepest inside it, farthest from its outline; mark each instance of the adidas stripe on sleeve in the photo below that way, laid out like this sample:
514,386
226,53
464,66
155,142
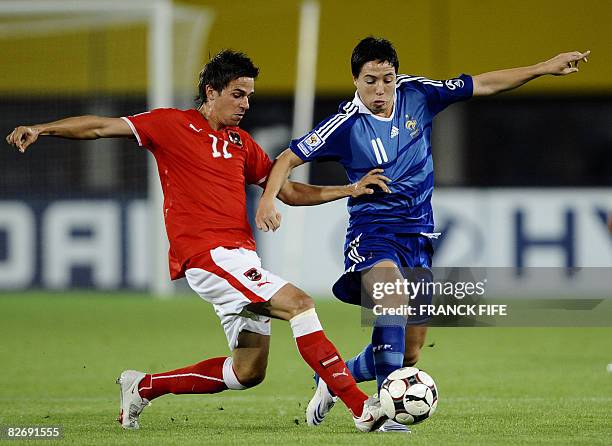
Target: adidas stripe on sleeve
329,139
440,94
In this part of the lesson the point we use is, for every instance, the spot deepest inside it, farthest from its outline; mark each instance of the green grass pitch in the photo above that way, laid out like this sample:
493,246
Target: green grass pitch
61,354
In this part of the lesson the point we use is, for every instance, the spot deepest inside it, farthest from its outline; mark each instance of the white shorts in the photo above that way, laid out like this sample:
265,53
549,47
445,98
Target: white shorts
231,279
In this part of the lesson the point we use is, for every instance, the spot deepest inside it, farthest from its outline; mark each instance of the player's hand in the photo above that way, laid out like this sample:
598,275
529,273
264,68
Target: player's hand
365,186
564,63
267,217
22,137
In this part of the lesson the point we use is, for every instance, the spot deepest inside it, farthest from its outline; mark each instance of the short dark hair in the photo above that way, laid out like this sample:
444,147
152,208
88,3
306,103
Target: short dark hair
223,68
373,48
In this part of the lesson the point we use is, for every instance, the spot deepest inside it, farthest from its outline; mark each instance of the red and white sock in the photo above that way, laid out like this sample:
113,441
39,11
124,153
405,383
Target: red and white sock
324,359
210,376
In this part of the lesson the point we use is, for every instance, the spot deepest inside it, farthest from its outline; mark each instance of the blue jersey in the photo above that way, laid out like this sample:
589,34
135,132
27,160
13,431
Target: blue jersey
400,144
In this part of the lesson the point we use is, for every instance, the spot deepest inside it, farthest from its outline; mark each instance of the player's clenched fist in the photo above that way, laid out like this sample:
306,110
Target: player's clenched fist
267,217
22,137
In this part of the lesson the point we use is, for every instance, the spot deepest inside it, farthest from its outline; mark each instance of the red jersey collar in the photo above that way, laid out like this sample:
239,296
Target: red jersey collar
204,122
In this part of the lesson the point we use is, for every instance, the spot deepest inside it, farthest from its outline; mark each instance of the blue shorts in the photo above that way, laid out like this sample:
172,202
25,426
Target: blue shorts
367,249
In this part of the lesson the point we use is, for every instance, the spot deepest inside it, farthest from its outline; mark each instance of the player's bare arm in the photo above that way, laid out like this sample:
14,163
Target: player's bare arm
78,127
298,194
494,82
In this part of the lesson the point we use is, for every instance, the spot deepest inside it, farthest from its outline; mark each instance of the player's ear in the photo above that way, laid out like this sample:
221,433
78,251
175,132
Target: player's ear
211,93
355,81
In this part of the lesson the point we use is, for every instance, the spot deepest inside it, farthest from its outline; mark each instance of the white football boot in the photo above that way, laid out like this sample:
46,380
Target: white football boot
394,426
131,402
320,404
372,416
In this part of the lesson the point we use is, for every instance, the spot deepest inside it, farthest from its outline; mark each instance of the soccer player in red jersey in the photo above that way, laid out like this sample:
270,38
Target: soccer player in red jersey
205,161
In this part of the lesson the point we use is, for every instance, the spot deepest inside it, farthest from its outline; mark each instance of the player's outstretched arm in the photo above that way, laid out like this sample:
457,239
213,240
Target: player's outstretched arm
298,194
494,82
78,127
267,217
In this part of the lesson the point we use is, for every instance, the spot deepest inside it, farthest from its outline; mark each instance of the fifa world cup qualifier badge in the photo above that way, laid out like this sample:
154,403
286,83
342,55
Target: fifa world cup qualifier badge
234,138
313,140
310,143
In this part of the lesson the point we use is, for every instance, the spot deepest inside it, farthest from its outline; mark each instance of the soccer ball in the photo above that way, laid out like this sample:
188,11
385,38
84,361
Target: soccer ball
409,396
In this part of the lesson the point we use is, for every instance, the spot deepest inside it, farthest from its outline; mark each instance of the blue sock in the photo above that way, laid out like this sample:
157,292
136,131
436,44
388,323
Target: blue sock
362,365
388,344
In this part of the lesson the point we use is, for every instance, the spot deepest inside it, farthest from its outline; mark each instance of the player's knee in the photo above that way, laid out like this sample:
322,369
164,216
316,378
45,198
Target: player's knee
411,356
250,376
302,302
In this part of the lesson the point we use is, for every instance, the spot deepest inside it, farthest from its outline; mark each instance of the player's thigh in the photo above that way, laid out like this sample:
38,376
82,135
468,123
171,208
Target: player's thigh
374,281
385,271
285,304
231,279
415,339
250,356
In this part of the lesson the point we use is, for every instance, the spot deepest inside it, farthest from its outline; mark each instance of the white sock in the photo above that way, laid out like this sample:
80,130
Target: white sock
305,323
229,376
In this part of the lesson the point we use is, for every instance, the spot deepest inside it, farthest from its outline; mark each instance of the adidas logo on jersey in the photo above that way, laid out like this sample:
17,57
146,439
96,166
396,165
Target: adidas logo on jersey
394,132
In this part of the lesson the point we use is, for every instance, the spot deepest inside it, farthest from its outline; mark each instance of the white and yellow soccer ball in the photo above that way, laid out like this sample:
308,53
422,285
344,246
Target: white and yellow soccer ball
409,395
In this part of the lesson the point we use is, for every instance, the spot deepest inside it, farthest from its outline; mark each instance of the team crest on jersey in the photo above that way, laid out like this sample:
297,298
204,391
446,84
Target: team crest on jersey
411,126
253,275
452,84
234,138
310,143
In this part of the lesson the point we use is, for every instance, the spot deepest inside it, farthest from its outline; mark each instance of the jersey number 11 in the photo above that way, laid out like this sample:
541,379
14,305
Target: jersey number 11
216,153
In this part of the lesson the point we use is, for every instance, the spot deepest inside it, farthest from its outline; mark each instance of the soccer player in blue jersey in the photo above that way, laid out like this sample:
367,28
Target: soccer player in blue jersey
387,125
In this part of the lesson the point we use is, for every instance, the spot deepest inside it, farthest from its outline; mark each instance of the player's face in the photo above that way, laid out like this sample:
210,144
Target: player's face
376,87
230,106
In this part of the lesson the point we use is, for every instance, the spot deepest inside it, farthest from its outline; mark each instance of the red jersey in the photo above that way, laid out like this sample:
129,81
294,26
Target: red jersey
203,174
